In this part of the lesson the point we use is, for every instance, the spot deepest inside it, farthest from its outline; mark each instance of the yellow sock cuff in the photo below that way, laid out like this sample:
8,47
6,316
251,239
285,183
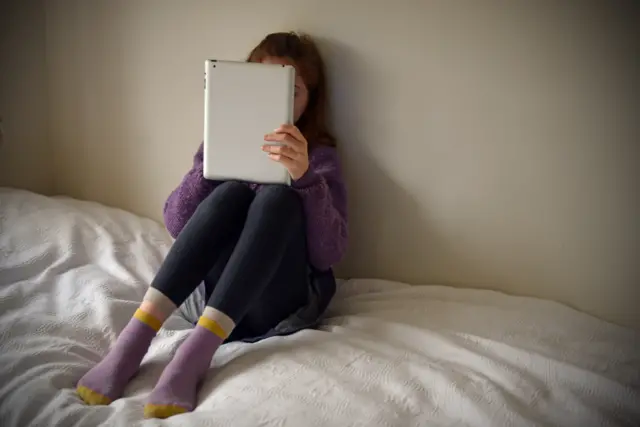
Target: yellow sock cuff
148,319
212,326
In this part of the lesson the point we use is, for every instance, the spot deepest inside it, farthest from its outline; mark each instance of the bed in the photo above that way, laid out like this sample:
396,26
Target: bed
386,354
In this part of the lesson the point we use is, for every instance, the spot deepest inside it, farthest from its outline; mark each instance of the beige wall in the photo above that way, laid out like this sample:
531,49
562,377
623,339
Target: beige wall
25,151
487,144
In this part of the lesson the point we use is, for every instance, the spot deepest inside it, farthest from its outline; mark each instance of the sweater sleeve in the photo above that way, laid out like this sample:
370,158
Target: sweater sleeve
324,199
184,200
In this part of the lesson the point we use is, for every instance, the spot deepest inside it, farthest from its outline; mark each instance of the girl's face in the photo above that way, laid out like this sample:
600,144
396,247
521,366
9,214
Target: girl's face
301,97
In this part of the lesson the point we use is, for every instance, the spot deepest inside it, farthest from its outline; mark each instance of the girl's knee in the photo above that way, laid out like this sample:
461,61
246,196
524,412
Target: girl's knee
278,193
229,193
279,198
233,187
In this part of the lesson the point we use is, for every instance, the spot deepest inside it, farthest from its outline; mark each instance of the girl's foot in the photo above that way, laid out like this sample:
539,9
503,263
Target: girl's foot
106,381
176,390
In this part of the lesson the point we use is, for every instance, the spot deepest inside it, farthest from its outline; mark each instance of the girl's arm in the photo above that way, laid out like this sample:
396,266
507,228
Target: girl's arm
184,200
325,203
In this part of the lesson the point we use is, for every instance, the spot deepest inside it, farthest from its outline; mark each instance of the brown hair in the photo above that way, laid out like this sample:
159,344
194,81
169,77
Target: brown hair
303,53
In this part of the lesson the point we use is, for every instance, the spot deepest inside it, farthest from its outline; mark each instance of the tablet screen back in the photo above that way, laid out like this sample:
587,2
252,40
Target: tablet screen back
243,102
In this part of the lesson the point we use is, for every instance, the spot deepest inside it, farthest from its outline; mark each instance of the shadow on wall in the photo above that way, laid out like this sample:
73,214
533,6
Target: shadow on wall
388,226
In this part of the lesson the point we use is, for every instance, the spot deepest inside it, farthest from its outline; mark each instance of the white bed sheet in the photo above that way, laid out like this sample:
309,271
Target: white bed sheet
388,354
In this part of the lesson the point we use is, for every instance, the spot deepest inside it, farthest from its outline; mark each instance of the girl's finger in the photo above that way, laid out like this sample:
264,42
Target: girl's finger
287,162
293,131
281,149
287,140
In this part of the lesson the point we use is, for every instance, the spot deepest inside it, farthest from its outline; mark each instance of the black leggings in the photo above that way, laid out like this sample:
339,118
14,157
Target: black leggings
250,250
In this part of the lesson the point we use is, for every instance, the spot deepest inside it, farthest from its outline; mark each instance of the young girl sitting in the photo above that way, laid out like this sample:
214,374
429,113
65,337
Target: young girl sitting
260,256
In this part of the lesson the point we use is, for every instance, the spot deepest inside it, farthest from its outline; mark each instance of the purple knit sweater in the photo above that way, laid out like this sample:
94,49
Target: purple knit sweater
323,195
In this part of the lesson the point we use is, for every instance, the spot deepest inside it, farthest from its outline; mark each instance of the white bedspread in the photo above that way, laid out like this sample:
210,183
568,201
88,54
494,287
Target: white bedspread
71,274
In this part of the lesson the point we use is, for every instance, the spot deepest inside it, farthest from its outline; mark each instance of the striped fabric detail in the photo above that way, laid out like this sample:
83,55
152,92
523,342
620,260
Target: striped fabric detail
148,319
213,326
160,302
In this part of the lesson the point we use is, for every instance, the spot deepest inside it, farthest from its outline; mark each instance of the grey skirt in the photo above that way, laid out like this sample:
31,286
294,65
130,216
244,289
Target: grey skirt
193,307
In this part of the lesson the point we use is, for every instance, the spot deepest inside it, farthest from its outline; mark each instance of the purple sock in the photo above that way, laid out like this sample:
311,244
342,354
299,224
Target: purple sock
176,390
106,381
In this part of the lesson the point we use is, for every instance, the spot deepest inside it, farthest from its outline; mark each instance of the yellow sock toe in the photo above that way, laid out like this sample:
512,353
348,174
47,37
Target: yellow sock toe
162,411
92,397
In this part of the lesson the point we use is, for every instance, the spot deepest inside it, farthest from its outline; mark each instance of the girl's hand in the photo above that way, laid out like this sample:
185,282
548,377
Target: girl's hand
293,153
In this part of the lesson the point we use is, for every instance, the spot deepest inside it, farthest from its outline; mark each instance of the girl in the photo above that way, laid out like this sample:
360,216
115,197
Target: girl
262,253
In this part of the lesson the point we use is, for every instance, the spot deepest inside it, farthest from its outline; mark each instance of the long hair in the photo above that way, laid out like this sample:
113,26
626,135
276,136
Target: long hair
303,53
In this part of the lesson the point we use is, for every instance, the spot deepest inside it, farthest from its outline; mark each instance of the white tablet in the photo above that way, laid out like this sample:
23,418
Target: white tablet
243,101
